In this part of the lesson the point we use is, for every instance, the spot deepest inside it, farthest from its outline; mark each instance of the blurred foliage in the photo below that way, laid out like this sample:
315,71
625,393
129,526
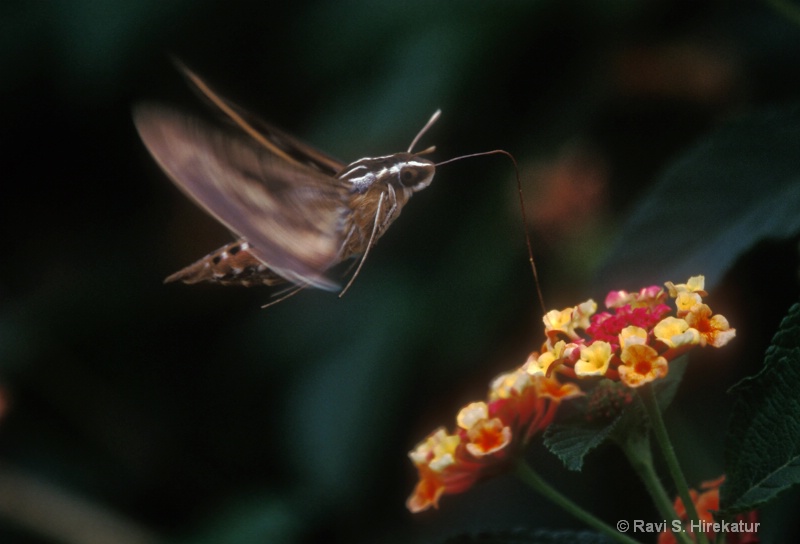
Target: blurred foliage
188,414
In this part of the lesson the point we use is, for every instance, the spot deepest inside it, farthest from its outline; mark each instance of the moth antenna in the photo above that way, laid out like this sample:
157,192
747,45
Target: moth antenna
522,209
366,251
428,125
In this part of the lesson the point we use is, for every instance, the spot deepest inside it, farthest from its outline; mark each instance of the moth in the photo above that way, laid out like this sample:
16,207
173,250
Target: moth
296,211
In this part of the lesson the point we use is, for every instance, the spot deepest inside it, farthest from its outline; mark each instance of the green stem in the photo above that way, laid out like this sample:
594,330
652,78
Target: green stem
530,477
637,449
660,432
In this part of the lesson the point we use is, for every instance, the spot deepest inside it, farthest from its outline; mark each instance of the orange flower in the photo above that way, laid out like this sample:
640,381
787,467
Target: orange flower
519,406
742,530
484,436
714,330
427,491
440,470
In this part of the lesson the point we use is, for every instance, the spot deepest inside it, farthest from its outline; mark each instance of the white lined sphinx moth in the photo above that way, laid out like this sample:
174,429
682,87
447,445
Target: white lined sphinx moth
296,211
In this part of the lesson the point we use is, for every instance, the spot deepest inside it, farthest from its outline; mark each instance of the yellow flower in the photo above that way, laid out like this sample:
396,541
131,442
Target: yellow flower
632,335
510,383
555,320
437,451
696,284
641,364
541,365
594,359
583,312
675,332
685,301
569,319
470,414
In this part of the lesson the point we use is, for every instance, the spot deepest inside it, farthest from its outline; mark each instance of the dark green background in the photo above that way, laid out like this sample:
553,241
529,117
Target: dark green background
200,418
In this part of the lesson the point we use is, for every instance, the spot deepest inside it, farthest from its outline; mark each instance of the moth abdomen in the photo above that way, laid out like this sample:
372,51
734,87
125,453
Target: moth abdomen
232,264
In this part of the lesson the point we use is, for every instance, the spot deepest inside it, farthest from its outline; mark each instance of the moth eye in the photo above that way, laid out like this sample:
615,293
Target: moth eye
408,176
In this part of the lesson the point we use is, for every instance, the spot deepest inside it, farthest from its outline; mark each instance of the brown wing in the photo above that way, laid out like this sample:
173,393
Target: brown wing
290,213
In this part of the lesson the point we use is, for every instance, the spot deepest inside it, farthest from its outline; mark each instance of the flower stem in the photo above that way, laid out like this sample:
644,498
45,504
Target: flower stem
525,473
660,431
636,447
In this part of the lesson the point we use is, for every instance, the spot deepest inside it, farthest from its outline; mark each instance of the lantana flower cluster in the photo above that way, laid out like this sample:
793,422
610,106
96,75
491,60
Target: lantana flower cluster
631,342
634,339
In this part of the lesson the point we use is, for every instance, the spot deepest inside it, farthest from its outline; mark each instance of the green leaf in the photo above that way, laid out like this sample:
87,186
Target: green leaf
737,187
573,440
537,536
762,451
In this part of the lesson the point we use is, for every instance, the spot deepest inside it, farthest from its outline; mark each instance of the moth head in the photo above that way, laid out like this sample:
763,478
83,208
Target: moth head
404,171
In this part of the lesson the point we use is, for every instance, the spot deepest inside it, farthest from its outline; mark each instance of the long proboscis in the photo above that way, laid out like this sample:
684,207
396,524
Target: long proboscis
522,209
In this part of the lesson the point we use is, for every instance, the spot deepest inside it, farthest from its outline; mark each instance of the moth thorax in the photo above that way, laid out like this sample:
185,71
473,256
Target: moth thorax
404,171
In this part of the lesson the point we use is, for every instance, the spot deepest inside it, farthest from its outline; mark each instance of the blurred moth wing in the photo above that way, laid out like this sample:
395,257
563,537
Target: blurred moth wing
285,211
